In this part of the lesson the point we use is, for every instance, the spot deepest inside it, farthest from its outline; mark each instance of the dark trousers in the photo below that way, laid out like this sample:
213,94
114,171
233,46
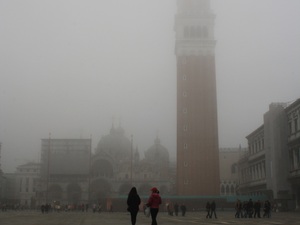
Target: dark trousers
153,212
133,215
213,212
257,212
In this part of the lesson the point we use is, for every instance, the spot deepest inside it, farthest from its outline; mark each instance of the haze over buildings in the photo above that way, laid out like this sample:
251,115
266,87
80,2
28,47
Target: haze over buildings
73,68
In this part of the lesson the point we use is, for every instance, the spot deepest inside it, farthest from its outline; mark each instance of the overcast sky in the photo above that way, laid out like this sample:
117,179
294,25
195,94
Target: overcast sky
74,67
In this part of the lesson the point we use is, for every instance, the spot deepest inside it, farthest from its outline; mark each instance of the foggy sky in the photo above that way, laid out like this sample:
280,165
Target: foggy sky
73,68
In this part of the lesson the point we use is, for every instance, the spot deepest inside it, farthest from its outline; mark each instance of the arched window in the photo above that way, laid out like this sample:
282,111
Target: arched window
232,190
222,190
227,189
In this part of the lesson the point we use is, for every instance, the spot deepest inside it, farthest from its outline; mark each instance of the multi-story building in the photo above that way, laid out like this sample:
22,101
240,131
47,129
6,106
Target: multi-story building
27,181
264,168
197,127
293,116
65,168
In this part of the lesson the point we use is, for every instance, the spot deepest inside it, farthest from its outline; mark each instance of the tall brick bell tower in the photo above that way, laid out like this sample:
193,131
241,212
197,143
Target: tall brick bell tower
197,124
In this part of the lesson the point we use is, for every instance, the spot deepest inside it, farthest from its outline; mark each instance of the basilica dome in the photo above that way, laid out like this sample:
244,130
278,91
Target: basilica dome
157,152
115,144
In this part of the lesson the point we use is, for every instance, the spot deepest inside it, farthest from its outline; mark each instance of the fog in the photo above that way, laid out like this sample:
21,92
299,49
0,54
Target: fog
74,68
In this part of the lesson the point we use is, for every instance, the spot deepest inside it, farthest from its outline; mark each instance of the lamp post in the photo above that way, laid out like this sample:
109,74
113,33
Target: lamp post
131,158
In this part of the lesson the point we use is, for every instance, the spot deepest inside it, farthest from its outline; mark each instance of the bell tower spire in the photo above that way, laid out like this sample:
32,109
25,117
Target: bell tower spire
197,127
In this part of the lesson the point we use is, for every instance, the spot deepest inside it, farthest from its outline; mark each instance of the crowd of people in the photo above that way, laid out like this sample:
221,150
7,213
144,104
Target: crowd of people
243,209
250,209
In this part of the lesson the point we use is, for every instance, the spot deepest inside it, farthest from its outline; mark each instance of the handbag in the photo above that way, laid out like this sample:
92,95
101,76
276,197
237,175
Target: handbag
147,211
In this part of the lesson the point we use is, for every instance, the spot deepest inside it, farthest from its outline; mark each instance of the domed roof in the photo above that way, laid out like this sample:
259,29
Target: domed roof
157,152
115,144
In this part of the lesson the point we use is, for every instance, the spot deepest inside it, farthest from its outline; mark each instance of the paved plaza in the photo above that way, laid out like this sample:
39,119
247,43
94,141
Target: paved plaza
122,218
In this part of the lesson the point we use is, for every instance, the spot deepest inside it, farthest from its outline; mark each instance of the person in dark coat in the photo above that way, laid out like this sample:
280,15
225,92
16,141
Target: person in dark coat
176,209
183,209
213,210
257,206
133,202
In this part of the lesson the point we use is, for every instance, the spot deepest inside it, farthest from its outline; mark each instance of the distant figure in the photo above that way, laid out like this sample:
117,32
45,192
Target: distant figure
133,202
267,209
238,208
94,208
176,208
207,209
99,208
169,208
213,210
183,209
42,208
250,208
153,202
257,206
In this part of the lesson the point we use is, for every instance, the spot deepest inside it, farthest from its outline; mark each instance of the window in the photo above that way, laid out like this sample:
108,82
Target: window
184,110
185,145
290,128
185,128
233,168
222,189
296,124
21,184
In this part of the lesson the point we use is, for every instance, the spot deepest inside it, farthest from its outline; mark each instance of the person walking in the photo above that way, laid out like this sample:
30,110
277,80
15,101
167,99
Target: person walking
133,202
238,209
257,206
183,209
153,202
176,208
213,210
207,209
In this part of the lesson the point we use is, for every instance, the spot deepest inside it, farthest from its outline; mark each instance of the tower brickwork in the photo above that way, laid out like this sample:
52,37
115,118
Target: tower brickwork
197,126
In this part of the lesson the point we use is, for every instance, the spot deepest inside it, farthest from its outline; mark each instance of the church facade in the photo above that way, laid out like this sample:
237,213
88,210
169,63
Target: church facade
71,173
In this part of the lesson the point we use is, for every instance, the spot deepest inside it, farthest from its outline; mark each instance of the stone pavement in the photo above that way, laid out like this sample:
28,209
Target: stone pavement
122,218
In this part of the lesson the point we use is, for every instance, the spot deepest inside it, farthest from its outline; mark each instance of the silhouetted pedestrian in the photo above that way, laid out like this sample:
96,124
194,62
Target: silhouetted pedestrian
176,208
257,206
183,209
213,210
133,202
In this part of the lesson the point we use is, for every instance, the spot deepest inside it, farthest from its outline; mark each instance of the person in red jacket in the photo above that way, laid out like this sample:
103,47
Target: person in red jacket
153,202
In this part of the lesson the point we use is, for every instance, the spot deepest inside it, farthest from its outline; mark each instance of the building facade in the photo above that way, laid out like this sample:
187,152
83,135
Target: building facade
229,176
197,127
293,117
72,174
27,181
65,167
264,169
